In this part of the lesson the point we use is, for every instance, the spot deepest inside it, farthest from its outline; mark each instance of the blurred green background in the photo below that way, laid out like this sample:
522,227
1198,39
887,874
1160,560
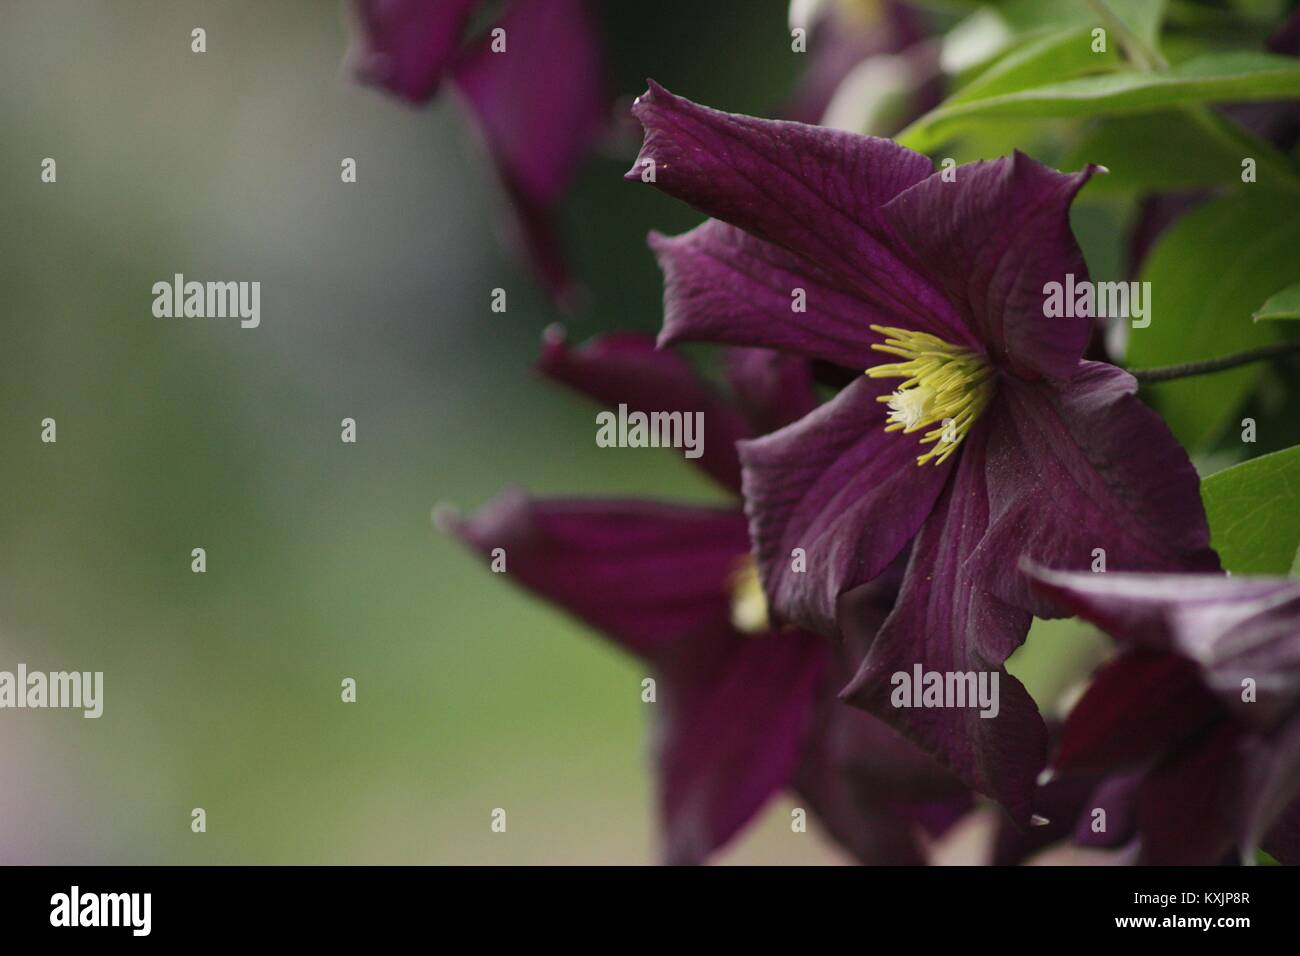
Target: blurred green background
222,690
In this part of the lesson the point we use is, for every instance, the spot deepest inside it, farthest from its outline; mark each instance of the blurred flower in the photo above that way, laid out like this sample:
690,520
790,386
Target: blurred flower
871,65
1198,725
1024,448
743,708
532,82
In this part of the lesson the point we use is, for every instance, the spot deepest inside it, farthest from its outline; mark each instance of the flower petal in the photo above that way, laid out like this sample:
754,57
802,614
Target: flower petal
724,285
648,575
733,714
991,235
1232,629
773,390
843,490
1136,707
405,45
539,102
1083,468
875,792
540,106
627,369
815,192
945,623
1216,796
1283,841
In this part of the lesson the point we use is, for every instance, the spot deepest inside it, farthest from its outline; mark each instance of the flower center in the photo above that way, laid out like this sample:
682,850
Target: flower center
946,386
748,603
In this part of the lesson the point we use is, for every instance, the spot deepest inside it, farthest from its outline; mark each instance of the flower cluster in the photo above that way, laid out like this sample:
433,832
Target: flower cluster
922,459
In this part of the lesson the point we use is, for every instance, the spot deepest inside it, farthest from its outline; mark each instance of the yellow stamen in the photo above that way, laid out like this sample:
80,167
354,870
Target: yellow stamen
944,384
748,603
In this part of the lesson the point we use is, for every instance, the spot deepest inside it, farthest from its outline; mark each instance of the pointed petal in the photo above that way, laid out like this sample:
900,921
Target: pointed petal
1230,629
836,485
875,792
405,45
1136,707
540,107
944,623
1083,468
733,715
724,285
539,102
646,574
813,191
991,235
627,369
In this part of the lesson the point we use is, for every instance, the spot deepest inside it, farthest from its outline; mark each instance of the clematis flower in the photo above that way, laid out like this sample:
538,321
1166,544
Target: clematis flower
977,429
743,709
1198,724
536,98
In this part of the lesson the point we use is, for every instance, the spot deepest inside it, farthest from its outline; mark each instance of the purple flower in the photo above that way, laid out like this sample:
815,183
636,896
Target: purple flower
886,45
743,709
1199,722
984,435
532,83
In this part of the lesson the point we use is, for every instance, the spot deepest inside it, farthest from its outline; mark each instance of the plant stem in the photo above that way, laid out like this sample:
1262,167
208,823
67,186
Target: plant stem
1169,372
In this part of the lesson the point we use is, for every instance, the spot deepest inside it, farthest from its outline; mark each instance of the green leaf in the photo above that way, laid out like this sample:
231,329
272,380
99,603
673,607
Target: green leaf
1208,272
1212,78
1281,305
1177,150
1058,55
1254,512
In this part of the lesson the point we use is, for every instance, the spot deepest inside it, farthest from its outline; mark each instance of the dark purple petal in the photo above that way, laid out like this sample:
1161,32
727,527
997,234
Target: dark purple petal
1220,771
724,285
771,389
1283,840
1230,628
540,107
626,368
405,45
539,102
1057,808
1269,782
991,239
946,624
1187,806
732,717
1082,468
876,793
838,486
813,191
1217,795
1136,707
1117,796
648,575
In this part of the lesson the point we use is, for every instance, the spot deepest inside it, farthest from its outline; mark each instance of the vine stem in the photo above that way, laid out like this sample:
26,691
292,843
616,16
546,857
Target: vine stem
1167,373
